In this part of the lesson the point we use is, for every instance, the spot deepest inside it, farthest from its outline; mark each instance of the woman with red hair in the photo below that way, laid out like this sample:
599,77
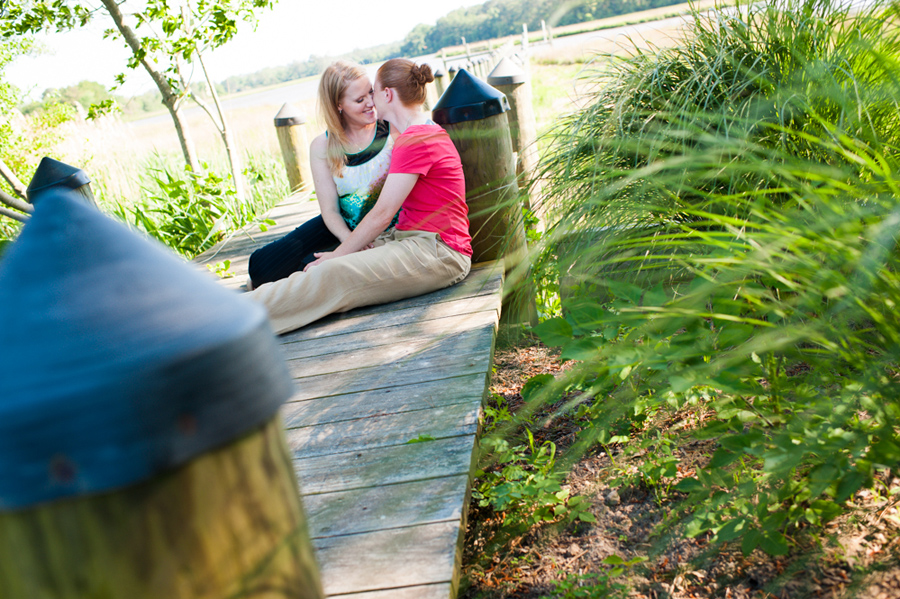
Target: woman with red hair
430,248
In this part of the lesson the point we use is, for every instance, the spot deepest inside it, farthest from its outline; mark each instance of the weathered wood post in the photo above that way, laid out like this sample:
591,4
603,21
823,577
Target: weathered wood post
548,34
431,94
439,82
525,38
474,115
510,79
482,68
141,452
452,72
290,126
55,174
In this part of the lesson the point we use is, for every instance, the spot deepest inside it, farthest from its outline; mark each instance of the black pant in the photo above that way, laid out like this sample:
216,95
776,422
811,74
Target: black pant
291,253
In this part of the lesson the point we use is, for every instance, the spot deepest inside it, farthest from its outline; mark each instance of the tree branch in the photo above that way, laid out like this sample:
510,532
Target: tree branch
16,203
22,218
13,180
170,98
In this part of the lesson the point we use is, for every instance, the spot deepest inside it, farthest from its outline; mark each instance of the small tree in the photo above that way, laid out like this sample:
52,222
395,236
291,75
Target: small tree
186,30
12,205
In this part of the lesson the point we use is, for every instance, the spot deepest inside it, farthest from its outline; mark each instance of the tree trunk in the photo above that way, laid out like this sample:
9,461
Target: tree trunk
16,203
22,218
170,98
13,180
234,159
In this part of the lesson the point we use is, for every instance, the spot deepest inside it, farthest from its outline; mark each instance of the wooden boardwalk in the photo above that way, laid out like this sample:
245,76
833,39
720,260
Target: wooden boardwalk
383,426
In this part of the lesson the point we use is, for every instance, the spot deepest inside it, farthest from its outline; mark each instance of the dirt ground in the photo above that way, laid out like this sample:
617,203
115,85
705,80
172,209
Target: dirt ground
855,556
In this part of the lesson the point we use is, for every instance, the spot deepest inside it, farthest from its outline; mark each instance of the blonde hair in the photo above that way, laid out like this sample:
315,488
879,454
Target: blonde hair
334,82
407,78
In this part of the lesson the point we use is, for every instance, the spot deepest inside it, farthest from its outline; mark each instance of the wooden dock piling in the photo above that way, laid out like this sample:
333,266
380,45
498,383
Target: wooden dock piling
142,453
290,126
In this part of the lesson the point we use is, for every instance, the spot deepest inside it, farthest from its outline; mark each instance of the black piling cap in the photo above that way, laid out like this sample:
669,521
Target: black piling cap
119,360
438,74
51,173
506,73
289,115
468,98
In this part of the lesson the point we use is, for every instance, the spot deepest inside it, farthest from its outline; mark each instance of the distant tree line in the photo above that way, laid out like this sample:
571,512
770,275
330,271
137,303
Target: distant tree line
500,18
494,18
306,68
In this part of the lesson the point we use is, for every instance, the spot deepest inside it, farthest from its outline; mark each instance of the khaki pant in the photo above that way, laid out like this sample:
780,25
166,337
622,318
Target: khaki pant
402,264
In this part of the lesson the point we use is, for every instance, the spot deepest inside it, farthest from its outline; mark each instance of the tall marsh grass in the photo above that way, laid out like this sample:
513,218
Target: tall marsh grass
137,173
724,217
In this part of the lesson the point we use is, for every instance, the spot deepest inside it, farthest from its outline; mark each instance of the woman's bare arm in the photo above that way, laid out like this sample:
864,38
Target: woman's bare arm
326,192
396,187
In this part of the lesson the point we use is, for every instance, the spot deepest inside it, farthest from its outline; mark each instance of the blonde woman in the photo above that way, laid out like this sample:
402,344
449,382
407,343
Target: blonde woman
349,164
430,247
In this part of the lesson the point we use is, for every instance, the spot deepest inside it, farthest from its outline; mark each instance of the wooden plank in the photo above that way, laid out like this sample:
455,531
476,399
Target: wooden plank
389,400
386,516
380,508
377,377
415,555
431,591
480,283
414,314
366,434
455,348
417,330
387,465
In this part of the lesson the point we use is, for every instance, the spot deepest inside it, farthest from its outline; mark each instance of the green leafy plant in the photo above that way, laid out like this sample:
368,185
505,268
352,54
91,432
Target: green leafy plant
730,209
595,585
221,269
192,213
524,485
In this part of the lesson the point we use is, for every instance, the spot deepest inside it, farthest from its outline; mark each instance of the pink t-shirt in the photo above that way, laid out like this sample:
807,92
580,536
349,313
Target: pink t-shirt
437,202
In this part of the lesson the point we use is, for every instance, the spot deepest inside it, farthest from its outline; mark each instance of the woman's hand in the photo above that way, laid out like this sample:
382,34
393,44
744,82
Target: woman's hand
320,258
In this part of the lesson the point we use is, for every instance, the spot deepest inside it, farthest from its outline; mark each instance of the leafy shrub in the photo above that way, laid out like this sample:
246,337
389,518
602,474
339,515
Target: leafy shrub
733,208
596,585
193,213
521,481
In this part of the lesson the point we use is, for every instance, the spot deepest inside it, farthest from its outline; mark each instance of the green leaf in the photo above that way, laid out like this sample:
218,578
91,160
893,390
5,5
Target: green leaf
624,290
554,331
536,386
723,457
690,485
774,543
583,349
848,485
731,530
421,439
751,540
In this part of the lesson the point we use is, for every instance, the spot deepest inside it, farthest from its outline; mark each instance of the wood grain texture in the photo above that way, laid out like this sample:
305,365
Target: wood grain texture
431,591
227,524
419,330
414,555
392,364
387,506
385,466
373,378
495,220
395,399
385,429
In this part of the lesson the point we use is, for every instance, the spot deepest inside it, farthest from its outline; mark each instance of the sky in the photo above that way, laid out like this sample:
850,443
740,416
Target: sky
293,31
